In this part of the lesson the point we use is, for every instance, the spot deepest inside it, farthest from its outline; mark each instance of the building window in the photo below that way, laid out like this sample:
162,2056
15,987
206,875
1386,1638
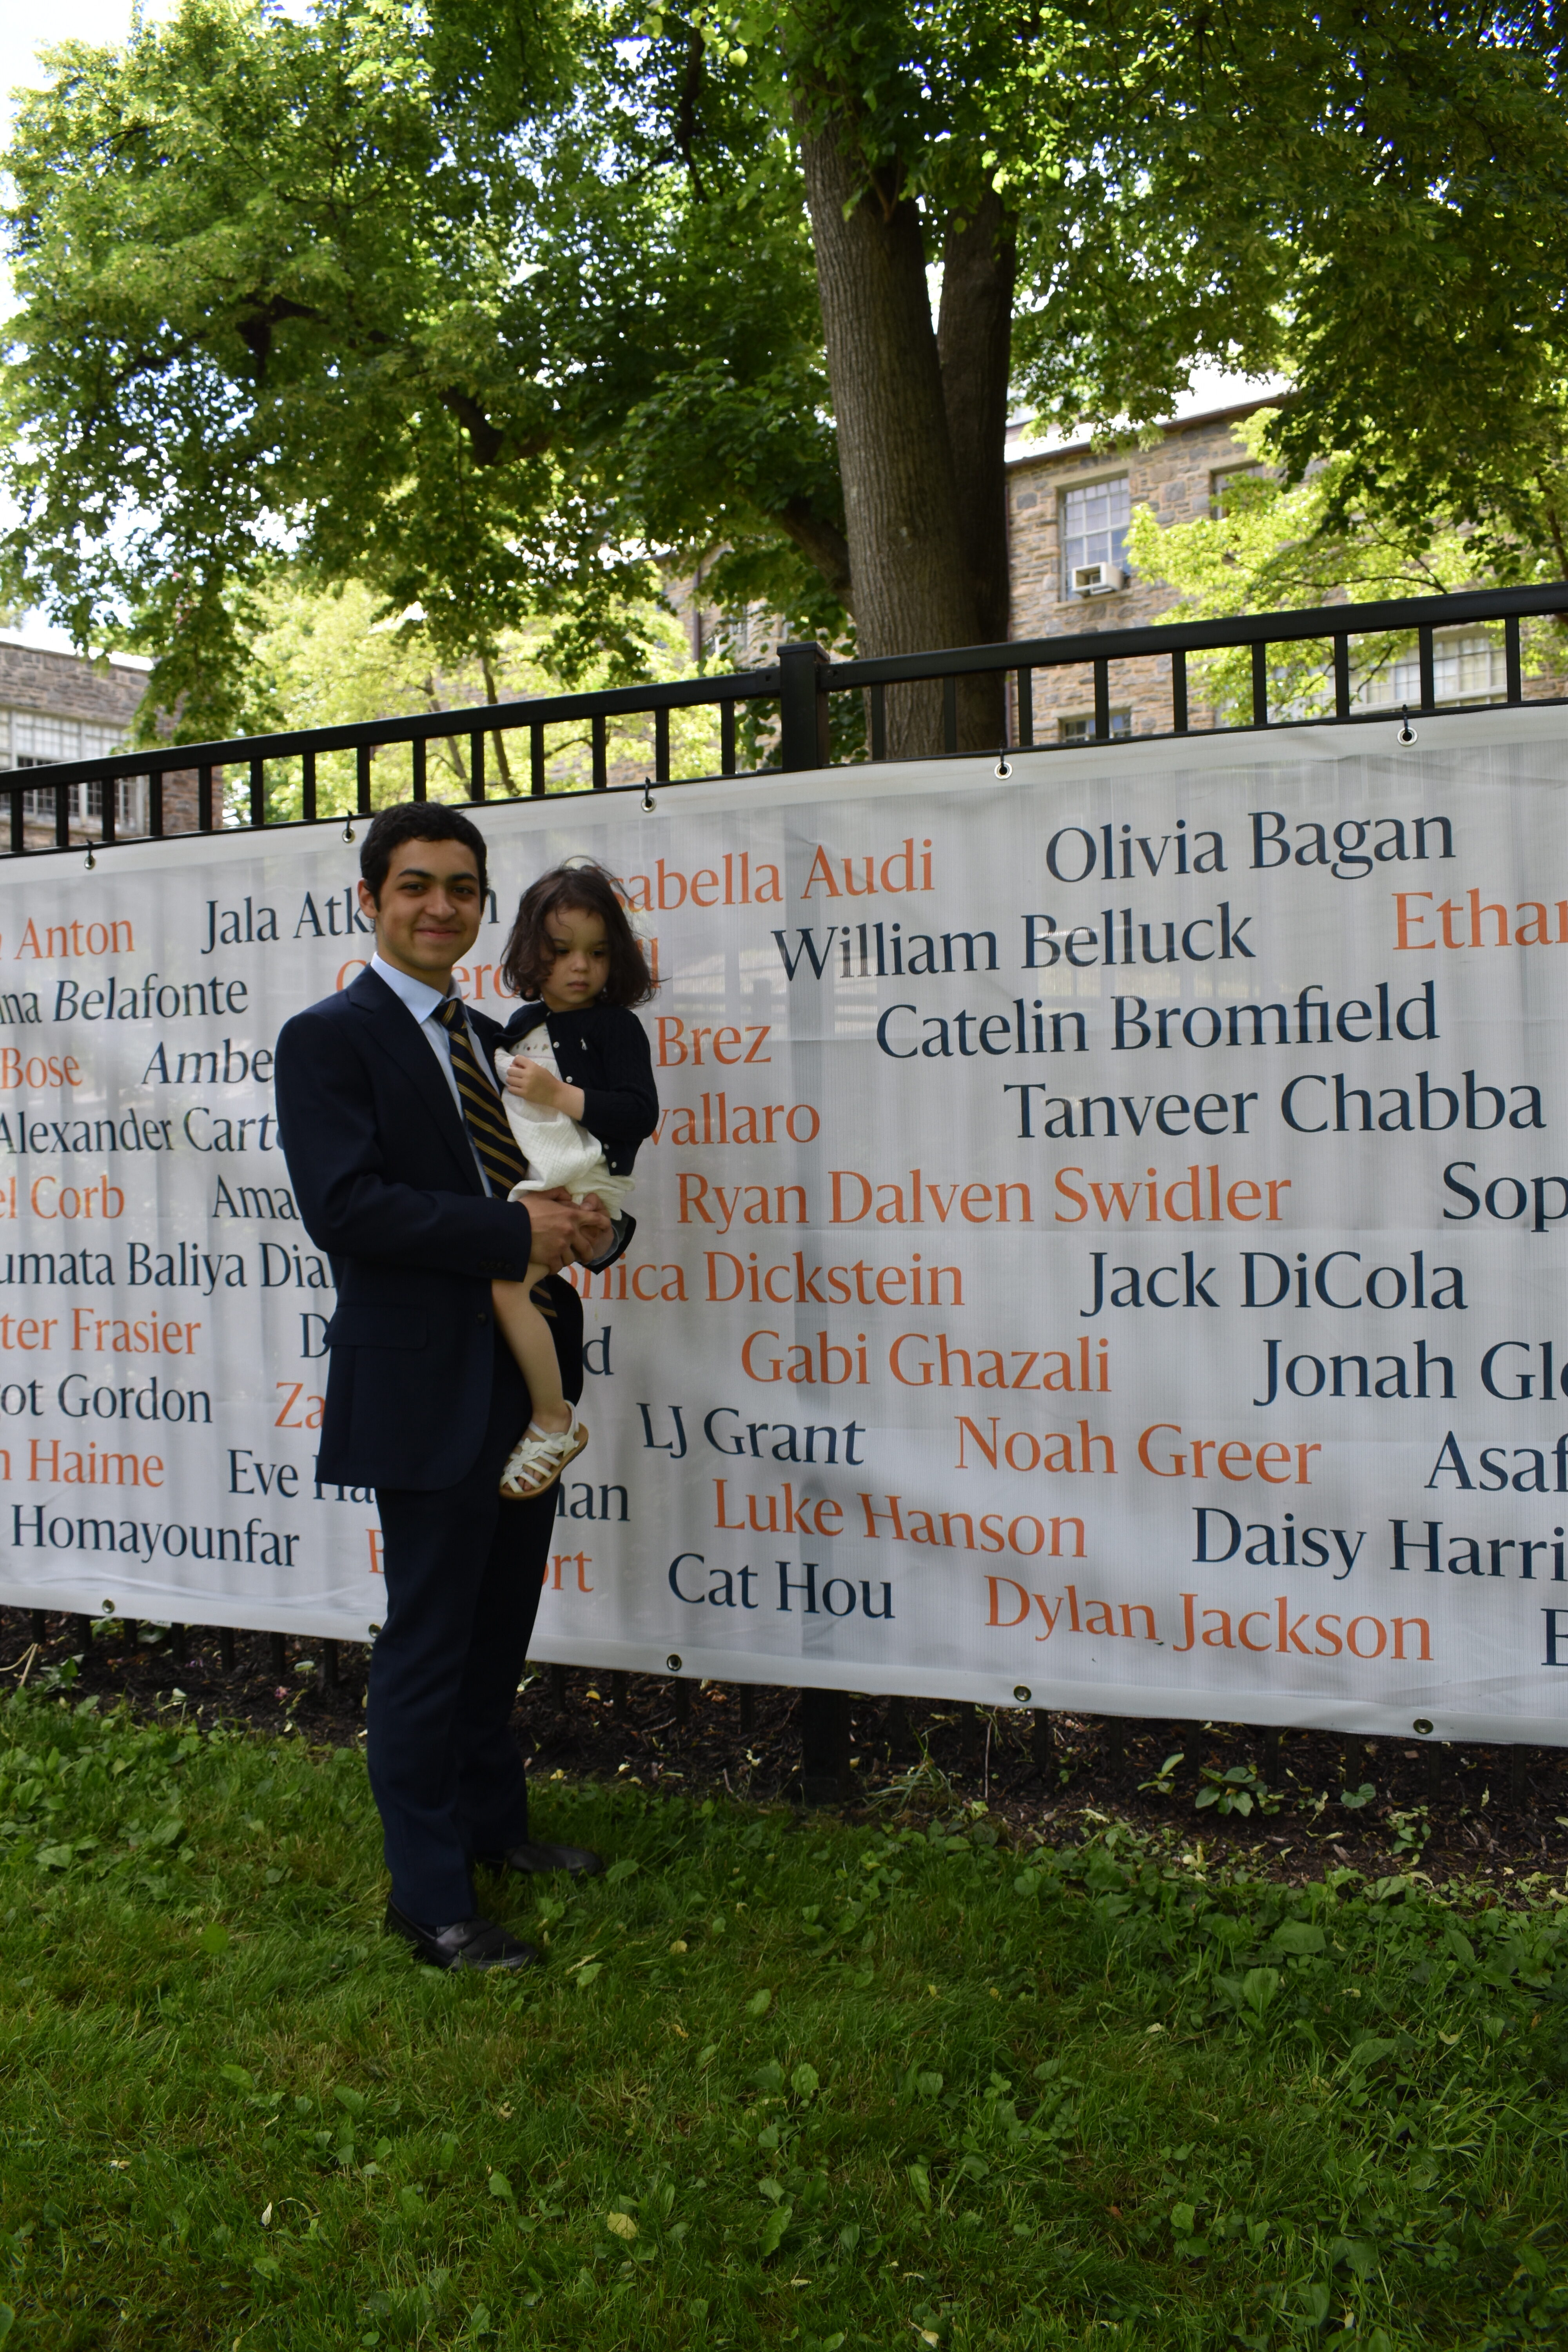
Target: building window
37,740
1094,533
1223,480
1466,667
87,803
1080,729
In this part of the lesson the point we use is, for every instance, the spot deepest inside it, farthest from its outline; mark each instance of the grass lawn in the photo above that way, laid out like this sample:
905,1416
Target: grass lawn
782,2081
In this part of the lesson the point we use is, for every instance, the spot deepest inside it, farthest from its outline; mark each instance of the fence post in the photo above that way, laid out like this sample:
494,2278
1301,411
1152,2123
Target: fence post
824,1746
803,710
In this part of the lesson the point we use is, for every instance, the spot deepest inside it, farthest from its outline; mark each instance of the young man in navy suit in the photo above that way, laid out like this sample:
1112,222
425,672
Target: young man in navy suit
386,1131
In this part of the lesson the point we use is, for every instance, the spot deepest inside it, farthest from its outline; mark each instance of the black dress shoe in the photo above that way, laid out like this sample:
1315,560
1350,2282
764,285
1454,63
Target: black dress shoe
535,1860
466,1944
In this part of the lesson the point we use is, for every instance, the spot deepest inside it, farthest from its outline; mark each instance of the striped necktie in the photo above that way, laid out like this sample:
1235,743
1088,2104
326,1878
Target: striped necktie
486,1121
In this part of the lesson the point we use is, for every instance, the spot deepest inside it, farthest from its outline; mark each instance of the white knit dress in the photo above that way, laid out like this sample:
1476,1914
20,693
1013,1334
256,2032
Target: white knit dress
560,1152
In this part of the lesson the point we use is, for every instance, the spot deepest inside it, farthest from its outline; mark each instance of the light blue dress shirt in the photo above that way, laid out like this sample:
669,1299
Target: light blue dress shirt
422,1001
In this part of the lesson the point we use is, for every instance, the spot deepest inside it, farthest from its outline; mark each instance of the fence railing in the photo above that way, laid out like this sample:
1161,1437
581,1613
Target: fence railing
788,702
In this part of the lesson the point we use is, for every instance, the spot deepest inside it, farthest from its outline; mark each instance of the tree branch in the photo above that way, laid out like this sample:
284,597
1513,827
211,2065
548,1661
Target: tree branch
254,326
491,443
820,538
686,110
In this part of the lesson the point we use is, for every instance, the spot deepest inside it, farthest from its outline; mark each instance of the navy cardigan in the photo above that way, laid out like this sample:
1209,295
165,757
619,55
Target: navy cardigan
602,1048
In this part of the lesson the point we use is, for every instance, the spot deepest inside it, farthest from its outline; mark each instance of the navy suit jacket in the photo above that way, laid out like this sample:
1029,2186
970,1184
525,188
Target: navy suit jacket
386,1185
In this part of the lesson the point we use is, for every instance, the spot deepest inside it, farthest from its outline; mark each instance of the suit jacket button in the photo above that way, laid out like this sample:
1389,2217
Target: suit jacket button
481,1319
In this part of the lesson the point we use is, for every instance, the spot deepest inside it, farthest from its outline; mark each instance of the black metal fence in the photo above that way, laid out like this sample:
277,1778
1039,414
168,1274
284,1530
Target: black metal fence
786,706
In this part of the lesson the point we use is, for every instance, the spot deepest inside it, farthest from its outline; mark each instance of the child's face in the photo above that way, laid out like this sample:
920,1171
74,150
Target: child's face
581,958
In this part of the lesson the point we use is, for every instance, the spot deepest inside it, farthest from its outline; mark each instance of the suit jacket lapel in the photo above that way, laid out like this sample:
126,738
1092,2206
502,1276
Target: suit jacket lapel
397,1034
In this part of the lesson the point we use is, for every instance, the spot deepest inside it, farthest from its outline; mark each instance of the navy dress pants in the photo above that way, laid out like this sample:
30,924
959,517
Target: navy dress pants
463,1570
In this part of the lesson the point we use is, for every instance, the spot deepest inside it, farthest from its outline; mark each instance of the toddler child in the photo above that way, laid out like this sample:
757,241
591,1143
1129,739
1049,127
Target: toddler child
579,1093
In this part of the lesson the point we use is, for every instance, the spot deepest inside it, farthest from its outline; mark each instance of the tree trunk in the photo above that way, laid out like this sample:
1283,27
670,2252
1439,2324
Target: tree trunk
974,344
913,589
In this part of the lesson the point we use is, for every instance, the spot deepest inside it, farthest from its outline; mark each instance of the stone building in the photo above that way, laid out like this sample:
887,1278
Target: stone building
1068,508
55,707
58,706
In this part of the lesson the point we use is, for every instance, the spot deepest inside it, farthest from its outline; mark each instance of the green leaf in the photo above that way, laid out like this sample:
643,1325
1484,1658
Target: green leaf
1295,1937
240,2078
806,2080
499,2186
1183,2219
352,2100
1258,1987
585,1975
919,2181
618,1872
774,2224
7,2321
761,2001
770,2077
214,1939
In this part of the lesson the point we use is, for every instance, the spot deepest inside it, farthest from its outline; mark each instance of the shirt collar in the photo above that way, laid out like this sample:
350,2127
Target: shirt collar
418,995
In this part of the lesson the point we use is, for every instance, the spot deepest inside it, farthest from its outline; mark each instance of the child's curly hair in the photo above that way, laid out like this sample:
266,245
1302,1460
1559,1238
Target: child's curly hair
526,963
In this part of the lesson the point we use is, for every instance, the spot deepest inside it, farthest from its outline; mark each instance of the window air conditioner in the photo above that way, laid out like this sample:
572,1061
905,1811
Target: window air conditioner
1097,579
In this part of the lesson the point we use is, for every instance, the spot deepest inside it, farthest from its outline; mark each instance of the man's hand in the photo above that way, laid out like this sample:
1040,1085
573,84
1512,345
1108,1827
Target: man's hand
556,1221
594,1231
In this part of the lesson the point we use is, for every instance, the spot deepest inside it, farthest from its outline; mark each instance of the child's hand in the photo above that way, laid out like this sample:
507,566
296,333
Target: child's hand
534,1083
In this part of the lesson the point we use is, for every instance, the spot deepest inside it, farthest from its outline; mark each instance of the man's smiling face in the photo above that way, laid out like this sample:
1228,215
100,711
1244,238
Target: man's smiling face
427,915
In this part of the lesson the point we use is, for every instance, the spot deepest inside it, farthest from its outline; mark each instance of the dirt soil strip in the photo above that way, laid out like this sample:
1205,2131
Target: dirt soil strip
1492,1816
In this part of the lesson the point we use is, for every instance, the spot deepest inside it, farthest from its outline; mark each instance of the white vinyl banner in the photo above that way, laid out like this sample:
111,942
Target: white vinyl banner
1102,1247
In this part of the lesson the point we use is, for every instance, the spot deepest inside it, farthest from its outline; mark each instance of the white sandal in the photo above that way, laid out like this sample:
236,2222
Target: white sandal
539,1457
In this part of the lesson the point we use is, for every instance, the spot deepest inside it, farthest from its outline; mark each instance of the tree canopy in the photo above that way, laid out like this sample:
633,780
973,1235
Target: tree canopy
490,308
